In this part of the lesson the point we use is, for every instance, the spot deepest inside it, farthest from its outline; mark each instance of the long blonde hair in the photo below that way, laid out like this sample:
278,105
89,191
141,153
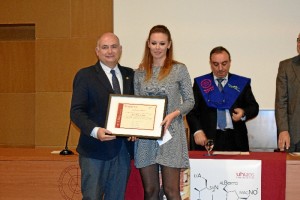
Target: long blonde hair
147,60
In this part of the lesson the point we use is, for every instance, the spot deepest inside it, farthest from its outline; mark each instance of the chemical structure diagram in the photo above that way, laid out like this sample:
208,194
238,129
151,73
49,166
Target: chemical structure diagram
224,190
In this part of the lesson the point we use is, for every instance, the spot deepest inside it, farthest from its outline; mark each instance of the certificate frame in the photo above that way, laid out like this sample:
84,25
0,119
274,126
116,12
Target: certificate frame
139,116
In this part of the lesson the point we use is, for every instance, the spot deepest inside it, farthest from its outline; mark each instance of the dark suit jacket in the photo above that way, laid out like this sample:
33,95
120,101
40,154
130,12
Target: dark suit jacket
287,103
204,118
91,89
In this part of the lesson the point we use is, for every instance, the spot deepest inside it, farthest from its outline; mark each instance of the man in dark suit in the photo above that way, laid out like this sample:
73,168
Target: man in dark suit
223,104
287,103
104,159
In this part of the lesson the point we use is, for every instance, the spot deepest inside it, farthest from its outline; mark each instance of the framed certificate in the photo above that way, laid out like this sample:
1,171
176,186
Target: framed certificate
139,116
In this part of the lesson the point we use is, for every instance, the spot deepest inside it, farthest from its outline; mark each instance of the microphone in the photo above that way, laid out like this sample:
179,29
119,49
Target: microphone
66,151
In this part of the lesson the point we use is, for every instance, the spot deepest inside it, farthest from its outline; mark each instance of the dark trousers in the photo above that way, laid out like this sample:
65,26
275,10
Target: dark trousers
105,179
294,147
230,140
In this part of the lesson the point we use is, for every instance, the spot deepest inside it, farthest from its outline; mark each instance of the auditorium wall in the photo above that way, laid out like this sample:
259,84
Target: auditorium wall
37,72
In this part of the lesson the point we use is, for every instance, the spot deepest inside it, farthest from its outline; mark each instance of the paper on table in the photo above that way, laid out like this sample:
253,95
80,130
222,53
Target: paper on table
295,153
167,136
55,152
230,153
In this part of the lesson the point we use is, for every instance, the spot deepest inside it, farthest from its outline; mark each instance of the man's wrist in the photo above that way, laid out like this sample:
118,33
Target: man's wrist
243,118
94,132
199,131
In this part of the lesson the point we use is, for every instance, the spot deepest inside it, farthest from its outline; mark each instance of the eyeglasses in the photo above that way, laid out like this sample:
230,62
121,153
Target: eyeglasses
298,40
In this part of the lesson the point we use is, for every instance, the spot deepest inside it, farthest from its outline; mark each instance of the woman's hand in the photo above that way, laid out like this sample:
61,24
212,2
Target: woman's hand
168,119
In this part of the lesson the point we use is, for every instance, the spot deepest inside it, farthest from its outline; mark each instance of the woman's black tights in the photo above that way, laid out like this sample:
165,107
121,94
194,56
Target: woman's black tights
170,182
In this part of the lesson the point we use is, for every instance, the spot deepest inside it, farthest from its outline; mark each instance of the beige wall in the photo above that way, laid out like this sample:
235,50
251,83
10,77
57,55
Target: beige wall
258,34
36,76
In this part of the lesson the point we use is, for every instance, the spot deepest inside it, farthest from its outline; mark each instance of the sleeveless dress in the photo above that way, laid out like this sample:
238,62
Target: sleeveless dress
177,87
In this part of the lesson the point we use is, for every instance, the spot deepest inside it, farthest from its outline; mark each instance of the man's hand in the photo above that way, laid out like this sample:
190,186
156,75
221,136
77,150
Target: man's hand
132,138
105,135
237,114
284,140
200,138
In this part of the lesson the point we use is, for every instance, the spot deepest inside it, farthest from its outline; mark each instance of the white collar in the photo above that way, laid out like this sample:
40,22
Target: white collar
107,69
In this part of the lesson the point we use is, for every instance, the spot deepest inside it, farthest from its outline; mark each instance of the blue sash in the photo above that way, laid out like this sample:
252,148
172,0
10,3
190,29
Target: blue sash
225,99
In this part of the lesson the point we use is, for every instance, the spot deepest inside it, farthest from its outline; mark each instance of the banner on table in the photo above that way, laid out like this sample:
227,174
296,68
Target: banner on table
225,179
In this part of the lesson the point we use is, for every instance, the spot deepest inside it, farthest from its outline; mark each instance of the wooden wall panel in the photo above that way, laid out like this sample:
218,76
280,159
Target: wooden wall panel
17,119
17,32
17,66
90,18
66,33
58,60
52,119
52,18
16,11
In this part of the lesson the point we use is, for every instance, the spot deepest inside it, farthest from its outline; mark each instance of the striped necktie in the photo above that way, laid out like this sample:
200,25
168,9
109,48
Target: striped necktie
115,82
221,114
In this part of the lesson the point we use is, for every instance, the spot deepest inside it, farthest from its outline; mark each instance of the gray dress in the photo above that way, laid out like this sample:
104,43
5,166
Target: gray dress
177,87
